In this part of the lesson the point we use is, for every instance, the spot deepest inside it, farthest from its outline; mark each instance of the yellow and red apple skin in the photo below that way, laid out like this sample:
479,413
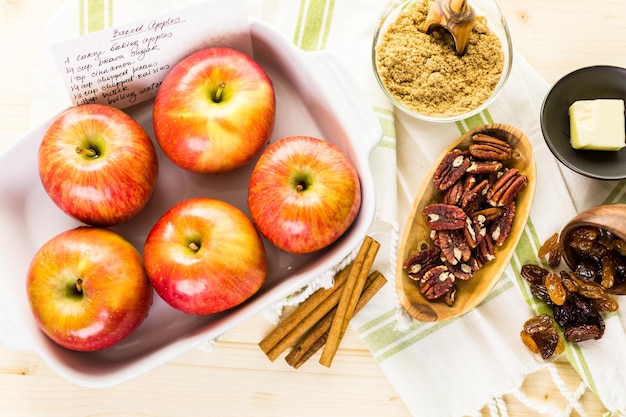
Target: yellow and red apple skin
225,268
115,296
106,190
307,220
202,133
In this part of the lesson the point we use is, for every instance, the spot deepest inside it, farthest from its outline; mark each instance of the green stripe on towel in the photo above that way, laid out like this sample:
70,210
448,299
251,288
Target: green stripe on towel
618,194
472,122
386,119
385,340
94,15
314,22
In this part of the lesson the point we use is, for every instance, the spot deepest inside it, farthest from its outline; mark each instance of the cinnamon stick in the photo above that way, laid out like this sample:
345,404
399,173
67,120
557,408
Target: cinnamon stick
351,292
317,336
304,325
275,342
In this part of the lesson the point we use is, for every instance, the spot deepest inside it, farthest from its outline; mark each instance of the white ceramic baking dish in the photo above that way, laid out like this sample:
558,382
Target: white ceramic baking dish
315,96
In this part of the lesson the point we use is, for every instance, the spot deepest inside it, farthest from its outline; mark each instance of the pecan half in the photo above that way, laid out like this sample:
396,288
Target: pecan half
489,148
420,262
485,251
444,216
450,169
484,167
501,227
453,194
490,213
506,188
469,181
464,270
475,230
454,247
450,296
436,282
474,197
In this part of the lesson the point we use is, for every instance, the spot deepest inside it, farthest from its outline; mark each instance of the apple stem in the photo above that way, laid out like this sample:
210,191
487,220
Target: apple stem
79,285
299,188
218,93
88,151
194,247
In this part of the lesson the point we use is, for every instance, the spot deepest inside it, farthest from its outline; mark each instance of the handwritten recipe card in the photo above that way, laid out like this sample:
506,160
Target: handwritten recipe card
125,65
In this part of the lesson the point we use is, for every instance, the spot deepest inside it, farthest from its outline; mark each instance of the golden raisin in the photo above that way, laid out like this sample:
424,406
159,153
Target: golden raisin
568,282
548,245
620,247
540,336
609,270
529,342
555,288
604,304
552,250
589,289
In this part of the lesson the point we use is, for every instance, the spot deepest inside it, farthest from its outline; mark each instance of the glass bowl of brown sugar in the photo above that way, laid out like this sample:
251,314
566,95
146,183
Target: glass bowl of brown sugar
422,74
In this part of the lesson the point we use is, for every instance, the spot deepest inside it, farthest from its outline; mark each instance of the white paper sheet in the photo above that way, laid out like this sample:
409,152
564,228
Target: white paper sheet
125,65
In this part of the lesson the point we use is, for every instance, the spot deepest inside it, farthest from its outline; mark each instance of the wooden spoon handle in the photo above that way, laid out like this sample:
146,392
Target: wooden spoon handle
454,15
457,5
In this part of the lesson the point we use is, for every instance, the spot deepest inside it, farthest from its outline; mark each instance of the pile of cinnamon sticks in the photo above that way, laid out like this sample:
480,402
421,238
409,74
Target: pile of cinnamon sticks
322,319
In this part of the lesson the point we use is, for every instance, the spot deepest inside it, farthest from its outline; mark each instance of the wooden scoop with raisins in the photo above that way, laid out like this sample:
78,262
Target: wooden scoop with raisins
593,245
596,240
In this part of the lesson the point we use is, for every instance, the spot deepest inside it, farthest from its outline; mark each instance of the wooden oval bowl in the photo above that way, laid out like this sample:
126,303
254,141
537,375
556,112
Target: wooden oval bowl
610,217
416,233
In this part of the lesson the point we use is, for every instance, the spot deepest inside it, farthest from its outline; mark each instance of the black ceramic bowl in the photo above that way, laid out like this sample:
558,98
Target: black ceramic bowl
583,84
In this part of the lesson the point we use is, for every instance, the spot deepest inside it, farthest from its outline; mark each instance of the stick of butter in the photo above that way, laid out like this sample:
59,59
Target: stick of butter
597,124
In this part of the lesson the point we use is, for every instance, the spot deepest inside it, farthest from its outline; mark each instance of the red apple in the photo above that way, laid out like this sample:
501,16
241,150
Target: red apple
88,289
98,164
205,256
304,193
214,111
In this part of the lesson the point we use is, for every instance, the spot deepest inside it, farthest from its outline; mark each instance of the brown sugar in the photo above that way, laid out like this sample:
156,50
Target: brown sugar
425,74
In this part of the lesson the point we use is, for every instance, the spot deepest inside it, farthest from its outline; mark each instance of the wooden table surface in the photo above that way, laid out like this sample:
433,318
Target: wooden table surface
555,36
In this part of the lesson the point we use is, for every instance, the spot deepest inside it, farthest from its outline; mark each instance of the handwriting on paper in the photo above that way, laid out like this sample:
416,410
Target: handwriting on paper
125,65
